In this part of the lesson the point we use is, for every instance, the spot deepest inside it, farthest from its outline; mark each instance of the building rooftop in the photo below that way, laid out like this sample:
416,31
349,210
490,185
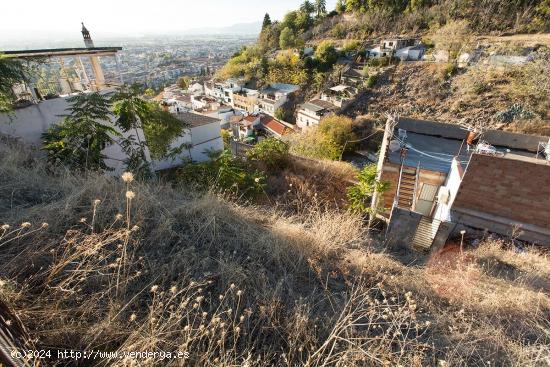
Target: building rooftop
194,119
281,88
432,145
274,126
318,105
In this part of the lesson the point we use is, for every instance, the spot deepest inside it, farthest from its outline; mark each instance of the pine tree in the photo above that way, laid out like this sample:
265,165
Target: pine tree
267,21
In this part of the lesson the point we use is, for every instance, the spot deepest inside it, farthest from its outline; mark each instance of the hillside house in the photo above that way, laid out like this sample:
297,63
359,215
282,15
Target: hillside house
389,47
246,100
311,113
274,96
274,127
341,95
245,129
196,89
225,114
204,103
201,136
444,178
353,77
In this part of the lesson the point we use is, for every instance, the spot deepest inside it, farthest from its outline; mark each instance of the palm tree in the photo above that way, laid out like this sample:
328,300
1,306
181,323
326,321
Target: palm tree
320,7
307,7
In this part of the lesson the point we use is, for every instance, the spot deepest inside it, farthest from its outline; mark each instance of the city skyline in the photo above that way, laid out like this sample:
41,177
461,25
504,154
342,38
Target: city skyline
133,18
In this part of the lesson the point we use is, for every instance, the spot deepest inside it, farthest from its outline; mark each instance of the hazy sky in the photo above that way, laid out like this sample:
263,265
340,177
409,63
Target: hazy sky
55,18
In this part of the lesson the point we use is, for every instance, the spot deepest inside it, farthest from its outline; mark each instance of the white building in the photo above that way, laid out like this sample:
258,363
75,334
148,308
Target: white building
245,128
200,103
200,138
311,113
274,96
340,96
196,89
410,53
29,123
226,115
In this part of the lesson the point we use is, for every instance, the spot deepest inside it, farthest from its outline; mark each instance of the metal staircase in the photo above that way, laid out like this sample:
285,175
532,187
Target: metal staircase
425,233
407,187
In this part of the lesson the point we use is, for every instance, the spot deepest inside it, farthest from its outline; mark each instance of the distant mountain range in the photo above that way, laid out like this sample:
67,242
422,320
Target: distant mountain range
239,28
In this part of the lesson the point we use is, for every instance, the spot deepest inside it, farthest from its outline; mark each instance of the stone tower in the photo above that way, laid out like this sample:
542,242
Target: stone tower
99,82
87,38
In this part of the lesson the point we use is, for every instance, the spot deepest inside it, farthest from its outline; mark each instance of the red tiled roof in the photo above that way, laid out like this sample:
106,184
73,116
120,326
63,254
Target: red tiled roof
251,118
274,125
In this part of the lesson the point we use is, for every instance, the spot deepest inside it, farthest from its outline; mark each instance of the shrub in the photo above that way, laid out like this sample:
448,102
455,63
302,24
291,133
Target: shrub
326,54
78,141
359,193
338,129
313,144
379,61
371,81
231,176
226,136
330,140
272,153
447,71
480,87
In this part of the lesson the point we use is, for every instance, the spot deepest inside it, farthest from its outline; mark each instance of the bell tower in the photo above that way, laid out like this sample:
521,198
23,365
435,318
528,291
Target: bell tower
87,38
99,78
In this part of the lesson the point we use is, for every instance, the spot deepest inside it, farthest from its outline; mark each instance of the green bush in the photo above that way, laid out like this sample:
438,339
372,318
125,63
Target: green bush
448,71
271,152
371,81
333,137
224,173
359,194
480,87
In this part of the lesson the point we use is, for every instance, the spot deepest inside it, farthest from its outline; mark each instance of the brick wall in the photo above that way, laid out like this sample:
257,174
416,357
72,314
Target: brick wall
507,188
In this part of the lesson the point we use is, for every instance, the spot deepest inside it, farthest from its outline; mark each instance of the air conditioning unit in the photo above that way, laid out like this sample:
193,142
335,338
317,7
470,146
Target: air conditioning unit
443,195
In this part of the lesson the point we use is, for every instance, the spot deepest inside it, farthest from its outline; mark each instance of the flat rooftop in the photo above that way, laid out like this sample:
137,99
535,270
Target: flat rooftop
432,145
194,119
55,52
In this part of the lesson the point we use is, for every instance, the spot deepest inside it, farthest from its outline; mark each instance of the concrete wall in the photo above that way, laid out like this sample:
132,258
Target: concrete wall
30,122
306,118
201,140
452,184
499,194
402,228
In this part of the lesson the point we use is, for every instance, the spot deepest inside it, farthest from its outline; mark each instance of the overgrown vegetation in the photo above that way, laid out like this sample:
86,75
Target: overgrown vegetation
329,140
97,120
224,174
98,263
12,72
360,194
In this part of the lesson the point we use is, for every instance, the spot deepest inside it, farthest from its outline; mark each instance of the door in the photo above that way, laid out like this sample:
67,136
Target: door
425,201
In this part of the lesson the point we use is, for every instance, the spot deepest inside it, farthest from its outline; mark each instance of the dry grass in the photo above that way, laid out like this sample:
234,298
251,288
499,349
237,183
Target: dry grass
237,285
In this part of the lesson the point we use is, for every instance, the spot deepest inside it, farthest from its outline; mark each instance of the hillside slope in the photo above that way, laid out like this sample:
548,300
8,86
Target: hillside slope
127,266
511,97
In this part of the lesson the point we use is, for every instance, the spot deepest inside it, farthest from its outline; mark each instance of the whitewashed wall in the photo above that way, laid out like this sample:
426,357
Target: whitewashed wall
201,139
27,124
443,210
